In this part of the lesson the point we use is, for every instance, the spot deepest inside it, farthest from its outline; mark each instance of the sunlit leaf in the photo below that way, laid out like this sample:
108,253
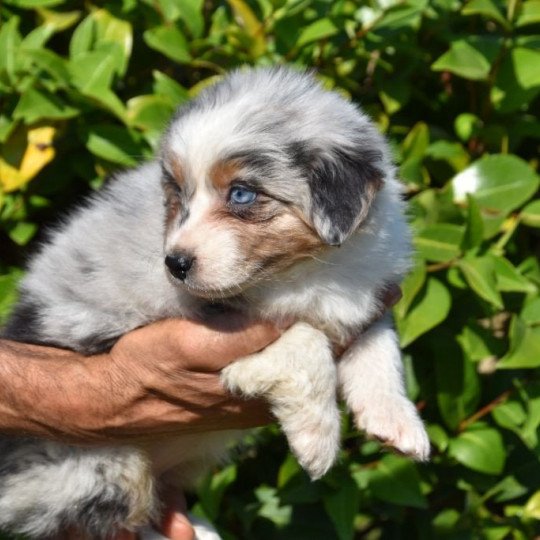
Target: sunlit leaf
429,309
169,41
440,242
524,347
530,215
319,29
529,13
498,182
464,60
254,28
487,8
113,143
480,449
25,153
411,286
479,273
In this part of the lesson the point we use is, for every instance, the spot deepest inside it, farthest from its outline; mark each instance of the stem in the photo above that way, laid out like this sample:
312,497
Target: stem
485,410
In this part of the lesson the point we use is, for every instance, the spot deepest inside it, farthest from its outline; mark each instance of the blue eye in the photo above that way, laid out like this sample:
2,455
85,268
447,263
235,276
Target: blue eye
242,195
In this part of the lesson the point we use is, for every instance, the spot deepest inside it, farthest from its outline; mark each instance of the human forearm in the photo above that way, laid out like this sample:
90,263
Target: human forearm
157,380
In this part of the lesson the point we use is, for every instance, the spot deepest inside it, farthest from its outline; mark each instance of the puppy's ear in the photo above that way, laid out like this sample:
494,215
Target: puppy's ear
343,184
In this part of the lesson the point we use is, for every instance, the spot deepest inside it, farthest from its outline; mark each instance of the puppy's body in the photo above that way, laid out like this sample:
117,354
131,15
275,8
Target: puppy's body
321,178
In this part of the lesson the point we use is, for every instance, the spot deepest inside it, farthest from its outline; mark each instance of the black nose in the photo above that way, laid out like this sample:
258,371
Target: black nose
179,264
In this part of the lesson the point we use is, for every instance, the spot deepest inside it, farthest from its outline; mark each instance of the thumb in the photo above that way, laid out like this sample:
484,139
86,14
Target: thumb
175,524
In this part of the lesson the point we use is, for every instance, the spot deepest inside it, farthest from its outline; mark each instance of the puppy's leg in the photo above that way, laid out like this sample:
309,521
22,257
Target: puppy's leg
371,379
297,375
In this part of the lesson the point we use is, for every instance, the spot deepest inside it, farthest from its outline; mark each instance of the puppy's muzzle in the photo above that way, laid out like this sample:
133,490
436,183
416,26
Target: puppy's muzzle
179,264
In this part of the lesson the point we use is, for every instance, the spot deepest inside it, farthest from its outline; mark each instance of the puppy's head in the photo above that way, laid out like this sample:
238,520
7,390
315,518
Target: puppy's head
260,171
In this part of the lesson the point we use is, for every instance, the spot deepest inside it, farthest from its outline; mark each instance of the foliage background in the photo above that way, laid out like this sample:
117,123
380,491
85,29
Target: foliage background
85,88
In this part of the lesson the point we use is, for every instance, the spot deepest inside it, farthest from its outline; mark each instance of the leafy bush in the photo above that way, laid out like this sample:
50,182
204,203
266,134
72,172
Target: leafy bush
86,89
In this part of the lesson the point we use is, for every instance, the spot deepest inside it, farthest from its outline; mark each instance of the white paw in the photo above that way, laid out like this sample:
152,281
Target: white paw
239,380
395,422
315,442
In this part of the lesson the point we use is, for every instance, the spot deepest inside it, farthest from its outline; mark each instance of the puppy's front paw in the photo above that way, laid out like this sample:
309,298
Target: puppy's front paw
315,443
394,421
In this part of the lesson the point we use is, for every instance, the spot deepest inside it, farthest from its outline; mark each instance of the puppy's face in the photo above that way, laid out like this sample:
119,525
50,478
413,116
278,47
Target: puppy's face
227,228
256,181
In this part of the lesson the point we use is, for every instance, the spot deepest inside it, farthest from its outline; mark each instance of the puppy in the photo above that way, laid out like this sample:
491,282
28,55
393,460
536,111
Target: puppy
270,195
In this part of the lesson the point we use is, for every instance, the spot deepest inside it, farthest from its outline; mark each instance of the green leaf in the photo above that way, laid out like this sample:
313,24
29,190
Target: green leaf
410,287
531,312
529,13
113,143
480,449
478,343
10,42
429,309
253,28
169,41
527,66
320,29
342,505
452,152
498,182
111,30
149,113
31,4
467,125
37,105
93,71
82,38
271,507
440,242
516,84
508,277
165,86
510,415
474,226
50,62
416,143
530,215
37,37
464,60
191,13
213,488
479,272
487,8
532,508
7,125
59,21
524,347
23,232
458,387
396,480
8,293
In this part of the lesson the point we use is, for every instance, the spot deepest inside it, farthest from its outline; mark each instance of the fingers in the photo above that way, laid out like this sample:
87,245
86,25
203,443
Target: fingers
175,524
225,338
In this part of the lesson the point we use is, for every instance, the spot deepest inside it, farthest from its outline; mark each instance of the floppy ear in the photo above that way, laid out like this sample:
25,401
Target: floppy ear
343,184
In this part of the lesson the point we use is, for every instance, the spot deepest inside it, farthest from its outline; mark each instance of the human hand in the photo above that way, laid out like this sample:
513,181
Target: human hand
165,379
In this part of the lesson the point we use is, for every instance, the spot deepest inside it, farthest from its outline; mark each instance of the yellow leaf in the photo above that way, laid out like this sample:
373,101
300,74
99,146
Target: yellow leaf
25,153
252,25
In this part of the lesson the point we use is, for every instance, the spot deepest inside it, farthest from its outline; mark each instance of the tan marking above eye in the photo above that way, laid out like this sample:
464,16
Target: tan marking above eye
223,173
177,169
